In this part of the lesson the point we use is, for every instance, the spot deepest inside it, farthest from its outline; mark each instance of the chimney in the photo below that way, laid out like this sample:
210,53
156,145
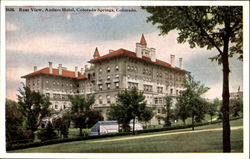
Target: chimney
50,68
82,71
138,50
152,52
60,69
110,50
35,68
76,71
180,63
172,60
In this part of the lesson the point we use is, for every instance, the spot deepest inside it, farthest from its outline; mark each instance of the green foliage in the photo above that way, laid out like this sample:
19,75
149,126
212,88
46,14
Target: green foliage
219,27
189,103
131,106
212,108
62,125
13,120
82,114
47,133
169,111
201,26
236,106
33,106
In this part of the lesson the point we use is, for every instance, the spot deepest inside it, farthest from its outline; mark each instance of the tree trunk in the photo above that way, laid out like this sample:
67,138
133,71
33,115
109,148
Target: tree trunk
211,119
192,122
80,131
225,96
133,126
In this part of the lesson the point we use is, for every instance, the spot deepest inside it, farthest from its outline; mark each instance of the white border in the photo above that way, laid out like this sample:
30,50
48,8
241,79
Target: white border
244,155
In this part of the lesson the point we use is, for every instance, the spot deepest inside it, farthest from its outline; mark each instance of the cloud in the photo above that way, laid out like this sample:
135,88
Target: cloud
11,26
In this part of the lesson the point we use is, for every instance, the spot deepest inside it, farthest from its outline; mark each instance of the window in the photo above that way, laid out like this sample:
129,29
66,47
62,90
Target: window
156,100
147,87
117,68
100,99
116,98
56,106
117,76
159,89
100,70
108,85
108,69
108,77
177,92
160,101
100,87
117,84
132,85
171,91
47,95
108,99
128,68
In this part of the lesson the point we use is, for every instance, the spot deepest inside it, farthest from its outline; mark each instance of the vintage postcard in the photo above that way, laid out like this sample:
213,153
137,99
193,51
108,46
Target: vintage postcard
125,79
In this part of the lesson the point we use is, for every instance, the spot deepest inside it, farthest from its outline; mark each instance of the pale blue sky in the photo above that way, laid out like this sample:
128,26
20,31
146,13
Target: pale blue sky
71,37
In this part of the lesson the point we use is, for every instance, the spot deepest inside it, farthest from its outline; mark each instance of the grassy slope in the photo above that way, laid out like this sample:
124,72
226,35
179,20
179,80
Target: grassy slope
197,142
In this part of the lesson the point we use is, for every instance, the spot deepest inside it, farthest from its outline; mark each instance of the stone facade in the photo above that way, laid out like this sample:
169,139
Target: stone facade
108,74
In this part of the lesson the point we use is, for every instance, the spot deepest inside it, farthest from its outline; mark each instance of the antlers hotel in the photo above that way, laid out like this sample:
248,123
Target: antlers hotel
108,74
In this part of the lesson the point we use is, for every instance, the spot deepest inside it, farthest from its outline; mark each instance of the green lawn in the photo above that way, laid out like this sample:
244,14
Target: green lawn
189,142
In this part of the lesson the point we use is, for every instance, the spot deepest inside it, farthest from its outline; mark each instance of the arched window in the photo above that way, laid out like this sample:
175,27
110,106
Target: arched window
108,99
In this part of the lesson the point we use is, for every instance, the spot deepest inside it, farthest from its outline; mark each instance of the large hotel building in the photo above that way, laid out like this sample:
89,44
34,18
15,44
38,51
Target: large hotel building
108,74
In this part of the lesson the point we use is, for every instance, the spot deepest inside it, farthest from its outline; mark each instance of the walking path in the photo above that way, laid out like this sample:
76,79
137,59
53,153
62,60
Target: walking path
164,134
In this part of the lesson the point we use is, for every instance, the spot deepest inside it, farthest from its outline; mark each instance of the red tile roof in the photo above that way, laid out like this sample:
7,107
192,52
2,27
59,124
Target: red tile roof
65,73
96,53
123,52
143,40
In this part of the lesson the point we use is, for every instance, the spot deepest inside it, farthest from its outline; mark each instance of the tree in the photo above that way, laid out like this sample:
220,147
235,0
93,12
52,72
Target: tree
212,108
34,107
61,124
14,120
131,106
82,114
168,110
189,103
48,132
218,27
236,106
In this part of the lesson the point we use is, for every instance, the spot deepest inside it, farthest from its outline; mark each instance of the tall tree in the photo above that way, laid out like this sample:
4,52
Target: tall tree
236,106
14,120
82,114
218,27
34,107
212,109
168,110
131,106
189,103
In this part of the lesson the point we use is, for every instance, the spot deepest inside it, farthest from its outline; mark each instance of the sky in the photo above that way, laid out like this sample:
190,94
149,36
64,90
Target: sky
70,38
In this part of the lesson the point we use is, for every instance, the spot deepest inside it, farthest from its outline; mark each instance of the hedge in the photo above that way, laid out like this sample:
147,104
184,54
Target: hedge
60,140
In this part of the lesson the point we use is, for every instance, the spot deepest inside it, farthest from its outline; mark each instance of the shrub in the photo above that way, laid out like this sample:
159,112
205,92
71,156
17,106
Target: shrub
47,133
